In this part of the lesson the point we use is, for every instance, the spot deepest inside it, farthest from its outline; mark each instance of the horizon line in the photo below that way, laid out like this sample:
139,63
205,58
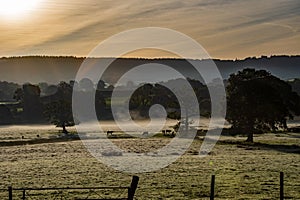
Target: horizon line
150,58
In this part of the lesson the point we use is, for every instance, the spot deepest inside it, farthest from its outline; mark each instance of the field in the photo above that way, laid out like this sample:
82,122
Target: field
242,171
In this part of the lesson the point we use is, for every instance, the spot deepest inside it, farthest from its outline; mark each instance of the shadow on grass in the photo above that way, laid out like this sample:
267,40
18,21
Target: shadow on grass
36,141
67,138
262,146
286,148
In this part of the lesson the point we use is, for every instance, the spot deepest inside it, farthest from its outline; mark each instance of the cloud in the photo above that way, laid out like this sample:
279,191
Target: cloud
226,28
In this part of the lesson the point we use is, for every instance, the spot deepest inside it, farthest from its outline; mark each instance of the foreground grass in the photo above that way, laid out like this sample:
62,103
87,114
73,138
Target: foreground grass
242,171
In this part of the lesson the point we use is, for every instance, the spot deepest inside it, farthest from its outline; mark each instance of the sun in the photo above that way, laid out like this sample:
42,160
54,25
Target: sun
15,8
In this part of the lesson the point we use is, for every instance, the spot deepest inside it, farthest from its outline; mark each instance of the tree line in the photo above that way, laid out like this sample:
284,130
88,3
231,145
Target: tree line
257,101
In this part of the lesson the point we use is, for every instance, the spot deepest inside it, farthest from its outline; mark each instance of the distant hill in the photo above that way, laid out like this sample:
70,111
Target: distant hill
284,67
37,69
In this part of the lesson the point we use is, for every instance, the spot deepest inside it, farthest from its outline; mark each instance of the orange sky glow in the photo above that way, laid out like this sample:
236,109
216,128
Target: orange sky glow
227,29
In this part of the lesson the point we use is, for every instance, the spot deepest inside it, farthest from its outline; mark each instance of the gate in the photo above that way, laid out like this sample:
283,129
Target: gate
64,192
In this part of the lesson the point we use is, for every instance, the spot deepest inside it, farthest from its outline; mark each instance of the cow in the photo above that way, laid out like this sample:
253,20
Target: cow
109,133
145,133
167,131
172,131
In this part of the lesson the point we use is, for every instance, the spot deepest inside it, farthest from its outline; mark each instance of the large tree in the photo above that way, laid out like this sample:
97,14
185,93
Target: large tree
59,110
59,113
29,97
259,101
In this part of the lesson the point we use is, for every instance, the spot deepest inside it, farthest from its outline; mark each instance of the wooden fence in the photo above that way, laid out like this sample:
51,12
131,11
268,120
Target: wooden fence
130,191
281,190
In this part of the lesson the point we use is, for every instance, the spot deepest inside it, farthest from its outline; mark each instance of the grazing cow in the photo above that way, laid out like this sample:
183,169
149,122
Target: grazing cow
109,133
167,132
145,133
172,131
176,126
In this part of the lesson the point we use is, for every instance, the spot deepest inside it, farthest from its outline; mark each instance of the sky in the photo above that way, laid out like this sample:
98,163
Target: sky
227,29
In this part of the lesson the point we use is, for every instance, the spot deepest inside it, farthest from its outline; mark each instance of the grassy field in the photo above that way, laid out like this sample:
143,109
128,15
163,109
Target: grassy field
242,171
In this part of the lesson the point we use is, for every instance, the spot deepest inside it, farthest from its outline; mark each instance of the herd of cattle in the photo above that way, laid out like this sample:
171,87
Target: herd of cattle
171,131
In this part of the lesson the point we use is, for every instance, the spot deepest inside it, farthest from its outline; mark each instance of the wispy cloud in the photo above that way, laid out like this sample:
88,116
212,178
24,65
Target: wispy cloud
227,29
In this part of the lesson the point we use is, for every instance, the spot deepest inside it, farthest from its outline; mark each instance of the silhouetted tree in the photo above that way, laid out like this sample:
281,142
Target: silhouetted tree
19,94
100,102
59,112
258,101
185,91
29,98
50,90
43,86
101,85
7,90
5,115
86,85
142,99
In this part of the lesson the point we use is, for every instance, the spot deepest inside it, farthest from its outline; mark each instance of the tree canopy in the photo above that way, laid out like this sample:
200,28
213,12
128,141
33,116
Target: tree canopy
59,111
259,101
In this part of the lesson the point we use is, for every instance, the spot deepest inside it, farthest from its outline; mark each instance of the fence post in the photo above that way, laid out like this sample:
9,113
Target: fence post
132,188
212,187
10,193
24,195
281,186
